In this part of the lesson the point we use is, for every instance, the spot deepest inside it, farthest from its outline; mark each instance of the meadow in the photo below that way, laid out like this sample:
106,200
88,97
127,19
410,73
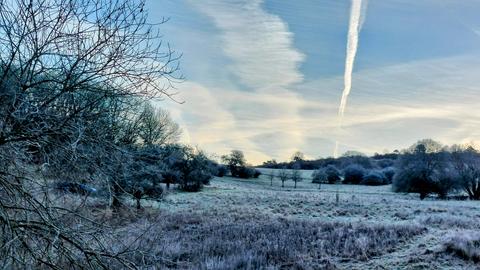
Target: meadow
249,224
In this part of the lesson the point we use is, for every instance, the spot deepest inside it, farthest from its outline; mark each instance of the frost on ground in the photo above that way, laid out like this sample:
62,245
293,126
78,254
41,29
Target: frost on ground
248,224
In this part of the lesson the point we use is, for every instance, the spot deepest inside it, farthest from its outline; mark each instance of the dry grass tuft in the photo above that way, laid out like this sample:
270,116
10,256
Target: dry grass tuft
464,244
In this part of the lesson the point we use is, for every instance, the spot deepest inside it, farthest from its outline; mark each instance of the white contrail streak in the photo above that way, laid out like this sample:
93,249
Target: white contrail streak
357,17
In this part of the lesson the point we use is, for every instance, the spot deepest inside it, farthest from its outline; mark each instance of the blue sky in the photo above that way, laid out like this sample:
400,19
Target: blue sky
266,76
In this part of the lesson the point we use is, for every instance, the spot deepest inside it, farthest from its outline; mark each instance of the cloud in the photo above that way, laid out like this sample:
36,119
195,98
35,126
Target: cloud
259,44
252,96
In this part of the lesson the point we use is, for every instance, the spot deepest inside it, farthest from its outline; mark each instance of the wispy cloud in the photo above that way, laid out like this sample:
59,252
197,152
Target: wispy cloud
259,44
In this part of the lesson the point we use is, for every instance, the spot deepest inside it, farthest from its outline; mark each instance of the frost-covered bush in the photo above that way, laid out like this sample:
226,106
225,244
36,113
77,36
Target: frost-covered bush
353,174
221,170
245,172
374,178
425,173
196,170
389,172
385,163
333,174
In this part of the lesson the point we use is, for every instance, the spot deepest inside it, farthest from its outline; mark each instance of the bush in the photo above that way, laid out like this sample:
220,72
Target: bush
374,178
75,188
257,173
196,170
411,181
389,173
221,170
245,172
353,174
425,173
333,174
385,163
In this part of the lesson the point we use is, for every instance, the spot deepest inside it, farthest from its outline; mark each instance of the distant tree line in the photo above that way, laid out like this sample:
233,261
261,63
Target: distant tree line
427,167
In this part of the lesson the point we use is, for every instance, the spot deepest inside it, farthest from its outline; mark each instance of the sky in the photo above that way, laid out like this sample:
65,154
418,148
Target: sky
266,76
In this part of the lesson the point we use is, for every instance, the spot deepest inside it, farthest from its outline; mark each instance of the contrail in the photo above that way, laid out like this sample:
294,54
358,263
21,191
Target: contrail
357,17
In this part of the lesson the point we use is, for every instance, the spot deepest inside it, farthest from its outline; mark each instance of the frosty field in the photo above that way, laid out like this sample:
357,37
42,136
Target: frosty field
248,224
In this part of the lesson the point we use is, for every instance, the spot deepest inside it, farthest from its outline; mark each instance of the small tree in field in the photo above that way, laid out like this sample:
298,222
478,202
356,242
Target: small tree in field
424,173
283,176
296,175
235,162
467,165
319,177
271,176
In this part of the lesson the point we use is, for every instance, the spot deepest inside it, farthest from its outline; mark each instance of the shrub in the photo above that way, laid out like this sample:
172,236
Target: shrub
385,163
333,174
389,172
353,174
196,170
257,173
363,161
374,178
411,181
170,177
221,170
425,173
245,172
76,188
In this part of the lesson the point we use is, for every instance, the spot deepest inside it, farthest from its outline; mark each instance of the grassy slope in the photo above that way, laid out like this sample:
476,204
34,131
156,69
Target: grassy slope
233,202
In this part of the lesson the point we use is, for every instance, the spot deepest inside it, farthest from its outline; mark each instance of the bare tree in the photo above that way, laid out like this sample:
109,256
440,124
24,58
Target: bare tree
60,59
271,176
296,175
467,164
157,127
298,156
69,71
283,176
235,162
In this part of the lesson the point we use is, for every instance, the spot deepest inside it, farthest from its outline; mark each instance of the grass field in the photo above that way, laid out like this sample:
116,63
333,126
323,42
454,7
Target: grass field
249,224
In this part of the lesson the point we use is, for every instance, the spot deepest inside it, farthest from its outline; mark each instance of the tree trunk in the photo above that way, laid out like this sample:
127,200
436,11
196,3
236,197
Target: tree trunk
138,204
115,196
